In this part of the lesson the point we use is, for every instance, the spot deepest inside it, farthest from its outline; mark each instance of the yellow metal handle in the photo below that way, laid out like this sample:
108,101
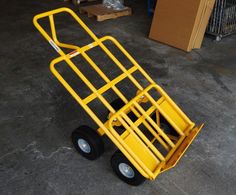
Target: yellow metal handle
53,40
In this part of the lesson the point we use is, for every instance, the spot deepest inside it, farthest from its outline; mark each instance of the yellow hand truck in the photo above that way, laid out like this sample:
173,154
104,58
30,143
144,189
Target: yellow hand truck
155,132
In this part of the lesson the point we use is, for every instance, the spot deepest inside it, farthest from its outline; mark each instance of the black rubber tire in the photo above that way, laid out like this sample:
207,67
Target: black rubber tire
118,104
92,138
76,2
165,125
118,158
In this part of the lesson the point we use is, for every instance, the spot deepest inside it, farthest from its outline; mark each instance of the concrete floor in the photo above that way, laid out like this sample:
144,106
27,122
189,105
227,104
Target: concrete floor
38,115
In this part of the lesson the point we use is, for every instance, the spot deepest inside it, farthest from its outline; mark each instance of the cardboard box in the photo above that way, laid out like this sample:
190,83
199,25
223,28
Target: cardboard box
181,23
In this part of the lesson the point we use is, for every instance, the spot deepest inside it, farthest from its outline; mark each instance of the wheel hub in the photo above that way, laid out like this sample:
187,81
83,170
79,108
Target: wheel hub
84,145
126,170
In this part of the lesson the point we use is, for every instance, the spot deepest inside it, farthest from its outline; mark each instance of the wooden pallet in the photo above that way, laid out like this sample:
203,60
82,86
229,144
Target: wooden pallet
102,13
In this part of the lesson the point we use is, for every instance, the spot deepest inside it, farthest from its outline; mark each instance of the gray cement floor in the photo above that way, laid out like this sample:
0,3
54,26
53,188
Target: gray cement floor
38,115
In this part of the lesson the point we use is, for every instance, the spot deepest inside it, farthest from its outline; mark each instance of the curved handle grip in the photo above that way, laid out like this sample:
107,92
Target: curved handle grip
52,12
53,40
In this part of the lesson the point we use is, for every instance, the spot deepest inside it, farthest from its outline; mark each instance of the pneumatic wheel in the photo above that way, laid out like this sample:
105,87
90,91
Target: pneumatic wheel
76,2
118,104
165,125
87,142
125,170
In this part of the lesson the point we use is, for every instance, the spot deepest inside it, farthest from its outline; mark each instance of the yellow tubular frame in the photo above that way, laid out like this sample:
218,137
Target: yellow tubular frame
175,146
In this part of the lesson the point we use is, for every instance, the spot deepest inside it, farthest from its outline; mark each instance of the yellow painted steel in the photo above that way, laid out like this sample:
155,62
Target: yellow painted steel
141,151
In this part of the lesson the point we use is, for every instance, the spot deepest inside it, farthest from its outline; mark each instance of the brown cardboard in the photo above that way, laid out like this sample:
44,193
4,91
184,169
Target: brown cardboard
202,27
181,24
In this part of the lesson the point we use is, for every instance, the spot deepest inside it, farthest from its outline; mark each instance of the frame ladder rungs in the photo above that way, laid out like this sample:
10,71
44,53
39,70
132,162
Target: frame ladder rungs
109,85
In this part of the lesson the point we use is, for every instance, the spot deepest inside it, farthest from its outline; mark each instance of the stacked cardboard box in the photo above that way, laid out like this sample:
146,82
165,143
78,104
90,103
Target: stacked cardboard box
181,23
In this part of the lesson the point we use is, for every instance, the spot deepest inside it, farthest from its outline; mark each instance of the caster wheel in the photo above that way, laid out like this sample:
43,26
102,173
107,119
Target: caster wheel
76,2
125,170
87,142
118,104
164,124
168,129
218,38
